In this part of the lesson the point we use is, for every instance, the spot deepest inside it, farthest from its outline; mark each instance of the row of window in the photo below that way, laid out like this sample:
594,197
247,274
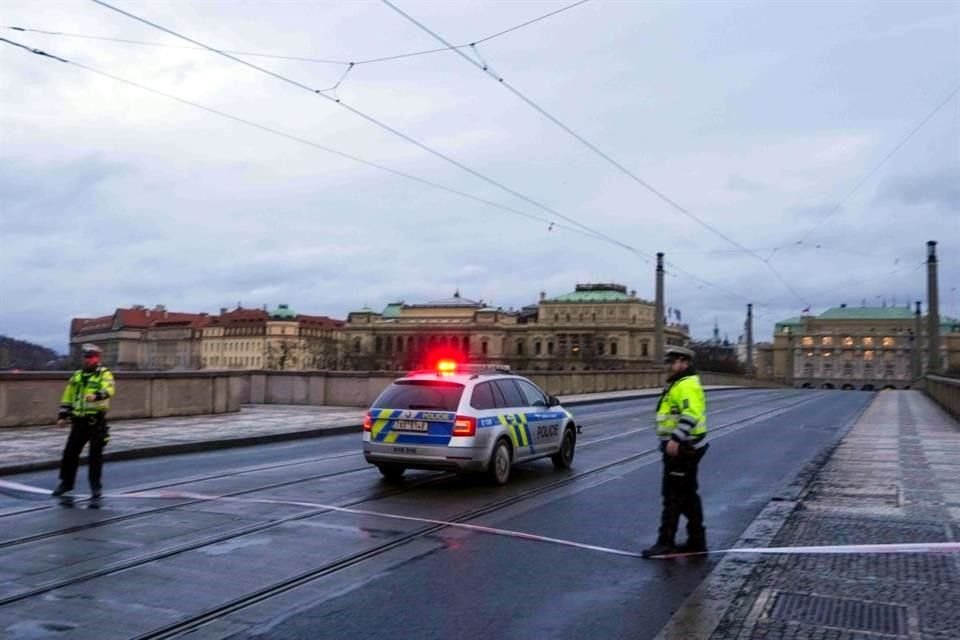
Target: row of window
889,370
869,354
398,344
565,345
849,341
583,317
249,361
244,345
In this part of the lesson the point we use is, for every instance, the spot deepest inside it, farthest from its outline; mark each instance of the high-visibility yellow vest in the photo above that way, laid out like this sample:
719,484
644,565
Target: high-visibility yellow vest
682,411
99,383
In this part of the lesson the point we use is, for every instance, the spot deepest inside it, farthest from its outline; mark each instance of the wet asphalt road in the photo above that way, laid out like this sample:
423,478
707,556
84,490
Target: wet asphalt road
183,560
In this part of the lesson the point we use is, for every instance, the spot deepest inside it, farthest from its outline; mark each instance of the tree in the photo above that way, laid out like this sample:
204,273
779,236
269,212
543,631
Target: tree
281,355
19,354
322,353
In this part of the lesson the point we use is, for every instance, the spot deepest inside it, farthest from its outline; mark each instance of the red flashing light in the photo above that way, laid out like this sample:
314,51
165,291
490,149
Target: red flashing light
367,422
446,367
465,426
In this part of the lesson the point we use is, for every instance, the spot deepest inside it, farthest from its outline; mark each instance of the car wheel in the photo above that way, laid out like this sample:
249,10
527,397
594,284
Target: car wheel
564,458
391,471
500,462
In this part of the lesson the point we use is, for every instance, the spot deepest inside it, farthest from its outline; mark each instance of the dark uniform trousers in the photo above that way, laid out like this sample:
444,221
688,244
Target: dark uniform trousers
84,429
679,490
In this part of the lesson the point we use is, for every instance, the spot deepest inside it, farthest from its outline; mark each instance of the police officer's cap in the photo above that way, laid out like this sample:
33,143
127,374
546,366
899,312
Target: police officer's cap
90,350
674,353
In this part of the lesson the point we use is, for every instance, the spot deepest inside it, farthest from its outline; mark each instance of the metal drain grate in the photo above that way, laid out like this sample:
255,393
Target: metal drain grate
840,613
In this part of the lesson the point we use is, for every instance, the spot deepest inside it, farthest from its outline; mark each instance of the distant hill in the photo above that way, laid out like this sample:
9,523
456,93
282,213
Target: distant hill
19,354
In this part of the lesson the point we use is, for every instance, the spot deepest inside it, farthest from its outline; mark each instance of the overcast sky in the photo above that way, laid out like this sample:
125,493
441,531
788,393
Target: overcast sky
758,117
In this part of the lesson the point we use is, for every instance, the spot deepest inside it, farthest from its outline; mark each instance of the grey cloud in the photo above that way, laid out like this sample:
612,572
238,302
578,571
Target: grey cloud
940,189
197,212
740,183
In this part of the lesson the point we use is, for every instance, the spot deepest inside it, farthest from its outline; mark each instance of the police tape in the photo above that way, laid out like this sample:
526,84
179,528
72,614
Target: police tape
905,547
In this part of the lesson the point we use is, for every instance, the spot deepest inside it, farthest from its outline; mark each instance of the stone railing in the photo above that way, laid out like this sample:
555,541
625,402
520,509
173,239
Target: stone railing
945,391
32,398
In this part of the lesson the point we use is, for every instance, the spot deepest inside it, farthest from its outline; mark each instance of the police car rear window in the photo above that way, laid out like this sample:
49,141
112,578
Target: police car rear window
421,395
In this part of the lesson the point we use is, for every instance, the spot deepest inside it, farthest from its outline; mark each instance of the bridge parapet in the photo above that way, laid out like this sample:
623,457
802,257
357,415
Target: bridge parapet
945,391
32,398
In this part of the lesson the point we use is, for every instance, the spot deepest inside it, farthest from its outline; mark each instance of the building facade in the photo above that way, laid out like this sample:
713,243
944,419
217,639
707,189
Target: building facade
597,326
139,338
157,340
277,340
855,348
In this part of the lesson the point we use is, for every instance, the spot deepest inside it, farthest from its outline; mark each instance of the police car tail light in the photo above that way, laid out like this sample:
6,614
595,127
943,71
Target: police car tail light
465,426
367,422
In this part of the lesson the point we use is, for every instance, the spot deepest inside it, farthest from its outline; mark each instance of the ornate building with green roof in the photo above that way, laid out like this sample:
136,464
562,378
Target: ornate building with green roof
857,348
596,326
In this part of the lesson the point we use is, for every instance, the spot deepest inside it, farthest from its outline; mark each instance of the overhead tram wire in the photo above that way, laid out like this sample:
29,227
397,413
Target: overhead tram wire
305,141
585,232
646,256
255,54
896,149
175,46
380,124
485,68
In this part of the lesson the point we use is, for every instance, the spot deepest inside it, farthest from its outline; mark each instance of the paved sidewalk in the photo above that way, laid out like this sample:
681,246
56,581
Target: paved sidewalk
895,477
37,448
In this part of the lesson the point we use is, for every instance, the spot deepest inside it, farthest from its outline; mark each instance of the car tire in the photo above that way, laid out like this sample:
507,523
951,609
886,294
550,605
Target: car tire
500,463
563,459
391,471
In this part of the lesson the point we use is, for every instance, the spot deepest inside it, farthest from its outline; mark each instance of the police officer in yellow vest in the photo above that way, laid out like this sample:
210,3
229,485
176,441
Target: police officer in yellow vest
85,402
682,429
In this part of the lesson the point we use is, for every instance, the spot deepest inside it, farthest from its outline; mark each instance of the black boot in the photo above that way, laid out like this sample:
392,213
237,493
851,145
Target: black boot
696,541
61,489
663,547
96,492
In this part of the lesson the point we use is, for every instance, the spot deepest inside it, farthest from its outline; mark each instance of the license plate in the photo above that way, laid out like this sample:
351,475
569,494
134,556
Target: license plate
406,450
412,425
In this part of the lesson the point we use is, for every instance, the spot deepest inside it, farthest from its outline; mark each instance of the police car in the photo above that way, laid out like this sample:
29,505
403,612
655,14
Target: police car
467,419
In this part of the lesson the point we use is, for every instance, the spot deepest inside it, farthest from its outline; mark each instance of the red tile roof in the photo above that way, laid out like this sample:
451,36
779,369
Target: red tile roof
322,322
136,318
142,318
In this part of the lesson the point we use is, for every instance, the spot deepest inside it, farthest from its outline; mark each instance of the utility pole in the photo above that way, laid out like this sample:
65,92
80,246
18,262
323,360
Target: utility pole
933,310
750,339
659,320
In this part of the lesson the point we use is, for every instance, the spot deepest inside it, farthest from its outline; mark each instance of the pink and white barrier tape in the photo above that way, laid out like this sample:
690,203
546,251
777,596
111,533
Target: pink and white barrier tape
906,547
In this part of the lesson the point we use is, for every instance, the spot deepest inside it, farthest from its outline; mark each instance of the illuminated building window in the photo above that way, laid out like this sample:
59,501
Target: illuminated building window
827,354
868,342
848,341
827,341
889,342
807,341
868,355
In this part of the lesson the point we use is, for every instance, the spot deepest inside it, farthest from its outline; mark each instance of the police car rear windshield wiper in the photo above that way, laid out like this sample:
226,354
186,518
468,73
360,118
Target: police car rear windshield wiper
427,406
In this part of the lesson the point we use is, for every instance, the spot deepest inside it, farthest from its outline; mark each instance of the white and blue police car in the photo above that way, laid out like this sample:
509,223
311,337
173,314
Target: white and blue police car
466,418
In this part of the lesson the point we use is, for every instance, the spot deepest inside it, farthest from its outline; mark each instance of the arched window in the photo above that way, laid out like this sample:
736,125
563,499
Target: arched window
519,347
614,347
